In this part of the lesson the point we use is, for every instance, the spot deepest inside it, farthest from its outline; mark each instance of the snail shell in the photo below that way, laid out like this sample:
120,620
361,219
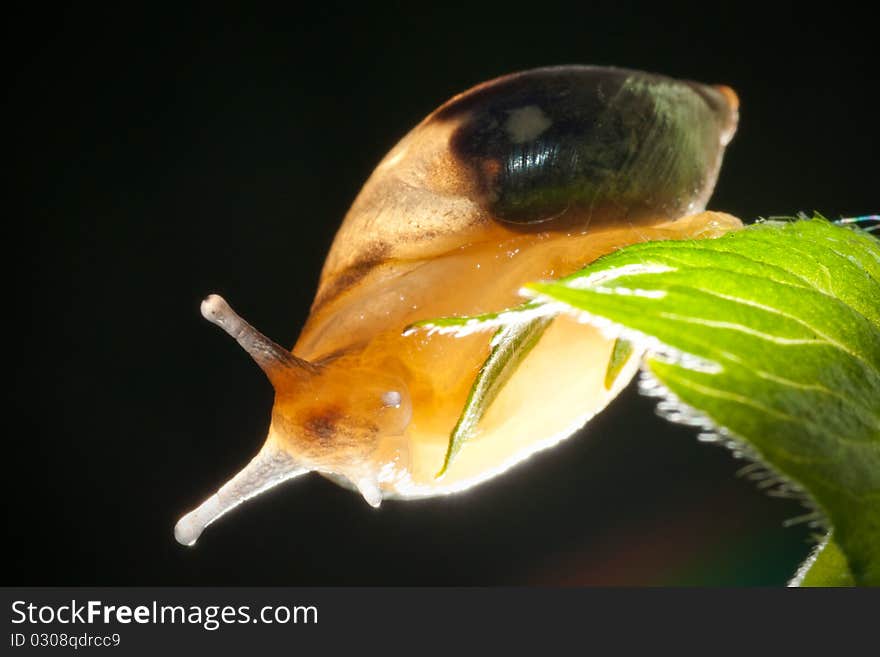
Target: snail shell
526,177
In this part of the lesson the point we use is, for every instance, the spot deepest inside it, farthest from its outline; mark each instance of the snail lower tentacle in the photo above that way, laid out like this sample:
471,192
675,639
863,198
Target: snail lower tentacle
270,467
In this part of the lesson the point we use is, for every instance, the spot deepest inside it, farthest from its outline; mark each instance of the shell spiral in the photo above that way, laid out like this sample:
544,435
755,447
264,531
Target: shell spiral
546,149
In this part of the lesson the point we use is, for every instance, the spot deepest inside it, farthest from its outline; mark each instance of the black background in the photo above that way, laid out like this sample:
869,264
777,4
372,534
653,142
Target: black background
158,156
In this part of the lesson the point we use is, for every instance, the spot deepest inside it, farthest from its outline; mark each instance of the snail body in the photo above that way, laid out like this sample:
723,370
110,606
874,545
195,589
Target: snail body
527,177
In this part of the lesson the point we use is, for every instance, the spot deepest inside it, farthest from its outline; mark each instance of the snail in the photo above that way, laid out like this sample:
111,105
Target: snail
526,177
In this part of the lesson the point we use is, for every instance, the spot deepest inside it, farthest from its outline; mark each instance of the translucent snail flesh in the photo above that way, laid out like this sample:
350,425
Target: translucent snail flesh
530,176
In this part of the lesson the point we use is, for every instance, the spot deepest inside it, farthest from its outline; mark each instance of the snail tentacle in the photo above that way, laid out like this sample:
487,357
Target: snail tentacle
270,467
272,358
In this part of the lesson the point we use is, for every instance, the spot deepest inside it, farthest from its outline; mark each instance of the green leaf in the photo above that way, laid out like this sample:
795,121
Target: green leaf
827,566
464,324
769,337
510,345
620,353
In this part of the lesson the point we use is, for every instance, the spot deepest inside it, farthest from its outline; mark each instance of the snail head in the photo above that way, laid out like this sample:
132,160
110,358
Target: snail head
327,418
